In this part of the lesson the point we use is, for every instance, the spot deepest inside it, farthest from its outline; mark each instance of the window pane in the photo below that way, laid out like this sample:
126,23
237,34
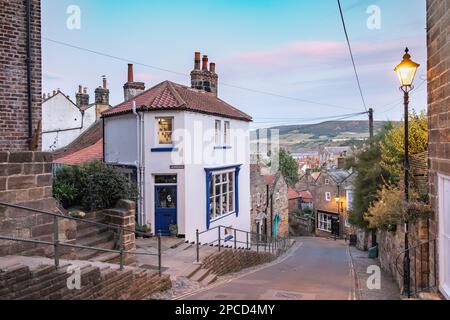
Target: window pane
166,179
165,130
218,134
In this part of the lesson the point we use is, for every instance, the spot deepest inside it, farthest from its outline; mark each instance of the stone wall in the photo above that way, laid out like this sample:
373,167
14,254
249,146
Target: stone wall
438,28
228,261
26,180
391,244
13,73
301,227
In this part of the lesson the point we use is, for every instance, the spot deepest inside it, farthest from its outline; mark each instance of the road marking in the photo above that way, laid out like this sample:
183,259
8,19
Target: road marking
352,295
288,254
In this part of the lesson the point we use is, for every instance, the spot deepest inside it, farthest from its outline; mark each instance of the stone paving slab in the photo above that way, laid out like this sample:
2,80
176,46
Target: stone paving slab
361,262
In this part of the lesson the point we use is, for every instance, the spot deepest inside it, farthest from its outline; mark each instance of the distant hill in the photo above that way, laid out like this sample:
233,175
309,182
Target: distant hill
301,138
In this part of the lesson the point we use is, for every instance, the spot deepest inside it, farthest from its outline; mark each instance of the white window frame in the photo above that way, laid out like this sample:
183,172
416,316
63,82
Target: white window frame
327,181
328,196
324,222
443,238
226,193
218,133
226,133
158,140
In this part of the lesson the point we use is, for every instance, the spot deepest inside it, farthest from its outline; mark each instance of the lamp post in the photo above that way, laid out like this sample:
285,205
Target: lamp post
406,72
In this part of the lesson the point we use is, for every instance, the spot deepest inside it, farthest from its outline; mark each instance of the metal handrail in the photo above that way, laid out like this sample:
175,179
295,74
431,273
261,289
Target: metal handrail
278,243
56,243
413,249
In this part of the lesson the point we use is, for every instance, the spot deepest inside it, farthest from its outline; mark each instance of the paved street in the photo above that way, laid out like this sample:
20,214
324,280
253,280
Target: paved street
316,269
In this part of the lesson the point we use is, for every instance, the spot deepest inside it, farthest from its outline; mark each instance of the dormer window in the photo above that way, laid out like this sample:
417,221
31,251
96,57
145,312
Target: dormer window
165,129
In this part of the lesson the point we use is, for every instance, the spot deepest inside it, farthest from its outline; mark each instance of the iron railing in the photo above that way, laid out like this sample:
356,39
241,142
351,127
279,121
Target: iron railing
56,243
253,241
418,271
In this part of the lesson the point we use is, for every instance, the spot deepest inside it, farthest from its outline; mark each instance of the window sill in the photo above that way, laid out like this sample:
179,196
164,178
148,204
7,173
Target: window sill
221,217
323,230
169,149
222,147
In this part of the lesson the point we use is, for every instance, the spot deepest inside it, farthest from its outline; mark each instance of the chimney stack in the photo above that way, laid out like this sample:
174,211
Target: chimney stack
131,88
197,61
82,98
102,93
101,98
204,79
130,73
205,63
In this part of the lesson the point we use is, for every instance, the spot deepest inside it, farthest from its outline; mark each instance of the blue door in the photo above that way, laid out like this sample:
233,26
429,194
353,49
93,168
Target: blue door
165,208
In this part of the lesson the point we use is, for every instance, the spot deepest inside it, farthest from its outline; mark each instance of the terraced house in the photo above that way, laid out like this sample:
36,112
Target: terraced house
191,152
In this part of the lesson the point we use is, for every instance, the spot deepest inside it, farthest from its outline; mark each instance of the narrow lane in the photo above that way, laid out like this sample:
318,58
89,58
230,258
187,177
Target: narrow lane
319,269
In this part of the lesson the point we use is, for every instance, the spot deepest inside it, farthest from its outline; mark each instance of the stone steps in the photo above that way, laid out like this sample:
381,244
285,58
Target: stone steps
37,279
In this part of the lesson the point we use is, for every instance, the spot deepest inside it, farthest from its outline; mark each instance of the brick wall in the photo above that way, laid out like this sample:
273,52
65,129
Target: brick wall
438,29
13,73
228,261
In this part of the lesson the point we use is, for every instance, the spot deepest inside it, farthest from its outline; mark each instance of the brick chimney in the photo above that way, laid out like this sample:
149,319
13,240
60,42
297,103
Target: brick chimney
82,97
131,88
101,98
102,93
204,79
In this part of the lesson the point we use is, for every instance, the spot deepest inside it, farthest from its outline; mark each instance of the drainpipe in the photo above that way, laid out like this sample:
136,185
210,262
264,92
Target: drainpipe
28,62
138,163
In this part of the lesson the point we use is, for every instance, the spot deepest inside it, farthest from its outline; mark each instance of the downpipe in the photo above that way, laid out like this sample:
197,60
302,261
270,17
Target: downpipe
138,164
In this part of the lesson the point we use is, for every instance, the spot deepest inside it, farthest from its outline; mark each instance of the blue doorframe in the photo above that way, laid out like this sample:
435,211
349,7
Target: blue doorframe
165,208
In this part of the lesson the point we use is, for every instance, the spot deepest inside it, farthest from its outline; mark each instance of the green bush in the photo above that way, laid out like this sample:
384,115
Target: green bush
94,186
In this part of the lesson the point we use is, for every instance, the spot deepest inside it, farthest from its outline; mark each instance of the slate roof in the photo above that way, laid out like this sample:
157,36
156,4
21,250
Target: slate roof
172,96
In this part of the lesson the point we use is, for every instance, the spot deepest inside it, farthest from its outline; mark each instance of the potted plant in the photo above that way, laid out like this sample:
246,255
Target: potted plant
142,231
173,229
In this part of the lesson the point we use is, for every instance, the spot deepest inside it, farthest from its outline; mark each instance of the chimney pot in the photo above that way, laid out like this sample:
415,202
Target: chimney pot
80,89
205,63
85,90
130,73
104,82
197,61
212,67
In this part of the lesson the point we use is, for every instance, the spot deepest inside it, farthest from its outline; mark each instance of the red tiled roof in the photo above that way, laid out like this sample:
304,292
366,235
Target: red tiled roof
270,179
315,175
172,96
292,194
89,137
305,195
89,154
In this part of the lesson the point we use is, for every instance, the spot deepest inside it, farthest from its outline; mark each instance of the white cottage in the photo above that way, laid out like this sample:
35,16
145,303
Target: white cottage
63,120
191,152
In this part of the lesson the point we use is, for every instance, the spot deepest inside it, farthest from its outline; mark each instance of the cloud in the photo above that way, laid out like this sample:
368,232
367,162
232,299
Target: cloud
49,75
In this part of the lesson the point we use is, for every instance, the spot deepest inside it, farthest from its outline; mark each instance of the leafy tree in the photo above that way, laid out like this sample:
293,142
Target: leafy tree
370,177
288,167
393,146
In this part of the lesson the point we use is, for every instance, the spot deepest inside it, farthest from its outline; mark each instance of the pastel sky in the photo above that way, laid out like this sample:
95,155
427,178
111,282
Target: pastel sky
288,53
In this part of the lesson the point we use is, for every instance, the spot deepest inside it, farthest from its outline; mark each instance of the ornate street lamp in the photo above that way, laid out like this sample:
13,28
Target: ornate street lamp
406,72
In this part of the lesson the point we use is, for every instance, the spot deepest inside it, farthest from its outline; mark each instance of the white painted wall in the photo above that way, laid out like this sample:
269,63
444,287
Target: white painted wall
120,139
63,122
194,138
